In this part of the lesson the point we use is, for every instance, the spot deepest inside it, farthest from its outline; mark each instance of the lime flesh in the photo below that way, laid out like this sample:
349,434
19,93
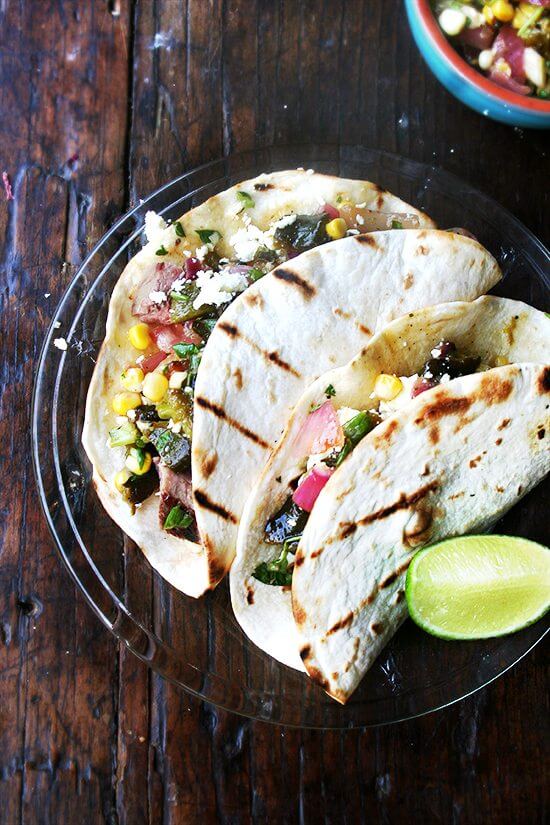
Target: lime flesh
475,587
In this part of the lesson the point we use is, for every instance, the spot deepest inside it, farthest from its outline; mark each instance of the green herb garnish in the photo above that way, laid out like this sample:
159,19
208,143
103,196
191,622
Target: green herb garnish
177,517
209,235
543,93
162,251
255,274
185,350
246,200
396,225
330,392
138,454
277,572
180,232
533,18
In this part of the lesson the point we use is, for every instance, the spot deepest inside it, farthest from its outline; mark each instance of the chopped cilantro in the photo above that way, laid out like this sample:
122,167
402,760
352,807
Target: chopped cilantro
185,350
544,93
330,392
162,251
177,517
246,200
255,274
277,572
180,232
396,225
209,235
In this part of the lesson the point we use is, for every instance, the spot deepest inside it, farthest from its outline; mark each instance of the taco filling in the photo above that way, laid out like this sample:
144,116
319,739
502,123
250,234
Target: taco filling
175,308
329,435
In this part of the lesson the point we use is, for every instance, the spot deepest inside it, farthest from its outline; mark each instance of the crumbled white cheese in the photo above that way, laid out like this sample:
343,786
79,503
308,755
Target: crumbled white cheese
401,399
345,414
157,297
176,380
218,287
286,220
445,378
361,205
131,415
202,251
360,219
60,343
246,242
535,67
353,232
121,419
155,226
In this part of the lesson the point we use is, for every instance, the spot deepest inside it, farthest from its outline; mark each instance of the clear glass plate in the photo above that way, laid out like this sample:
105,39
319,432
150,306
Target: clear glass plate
198,644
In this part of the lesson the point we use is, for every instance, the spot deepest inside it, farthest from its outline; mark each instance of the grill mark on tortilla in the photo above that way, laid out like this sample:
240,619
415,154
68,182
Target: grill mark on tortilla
377,628
216,569
408,280
391,577
290,277
380,200
208,464
299,613
363,328
253,298
273,357
341,624
504,423
422,250
250,596
220,413
263,187
367,240
238,376
434,434
203,501
540,433
443,405
399,596
494,390
498,442
543,383
402,503
299,559
342,314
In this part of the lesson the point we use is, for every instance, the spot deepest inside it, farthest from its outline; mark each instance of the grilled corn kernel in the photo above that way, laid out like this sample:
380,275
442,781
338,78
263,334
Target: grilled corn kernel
452,21
121,477
387,386
139,336
132,378
336,228
138,462
488,15
154,386
486,59
503,10
124,401
501,361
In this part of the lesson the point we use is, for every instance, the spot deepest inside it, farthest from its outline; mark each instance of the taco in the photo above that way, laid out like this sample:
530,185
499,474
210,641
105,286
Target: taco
428,398
311,314
138,424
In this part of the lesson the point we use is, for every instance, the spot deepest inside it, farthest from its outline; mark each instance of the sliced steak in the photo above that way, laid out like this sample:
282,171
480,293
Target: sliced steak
175,488
159,280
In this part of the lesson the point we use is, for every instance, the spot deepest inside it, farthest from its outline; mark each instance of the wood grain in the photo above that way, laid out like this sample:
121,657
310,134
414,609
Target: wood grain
101,103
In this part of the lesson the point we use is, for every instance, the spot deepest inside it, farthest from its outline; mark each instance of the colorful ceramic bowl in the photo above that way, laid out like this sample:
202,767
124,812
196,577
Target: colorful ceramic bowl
465,82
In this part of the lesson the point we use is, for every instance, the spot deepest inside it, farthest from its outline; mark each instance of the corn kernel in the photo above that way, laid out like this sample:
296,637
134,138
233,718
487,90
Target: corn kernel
488,15
386,386
121,477
336,228
154,386
501,361
486,59
124,401
503,10
139,336
138,462
132,378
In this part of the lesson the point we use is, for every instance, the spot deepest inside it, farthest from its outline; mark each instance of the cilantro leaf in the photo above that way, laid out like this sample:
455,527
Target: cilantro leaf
246,200
177,517
162,251
208,235
330,392
180,232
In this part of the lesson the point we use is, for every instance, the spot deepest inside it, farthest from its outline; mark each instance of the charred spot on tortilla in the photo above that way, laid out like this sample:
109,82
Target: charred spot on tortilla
380,200
340,313
288,276
403,502
426,471
305,652
299,559
367,240
220,413
504,423
216,572
387,432
399,596
499,489
317,677
250,596
341,624
209,463
417,528
433,434
390,578
422,250
541,432
442,406
408,280
544,381
498,442
317,553
377,628
275,358
229,329
204,501
494,390
299,616
253,298
238,376
365,330
474,462
262,187
347,528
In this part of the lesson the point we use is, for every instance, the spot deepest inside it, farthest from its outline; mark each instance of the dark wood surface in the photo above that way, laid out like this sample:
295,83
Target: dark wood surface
101,102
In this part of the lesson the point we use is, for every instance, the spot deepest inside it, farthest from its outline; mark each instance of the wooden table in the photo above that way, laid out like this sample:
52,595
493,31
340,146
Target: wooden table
101,102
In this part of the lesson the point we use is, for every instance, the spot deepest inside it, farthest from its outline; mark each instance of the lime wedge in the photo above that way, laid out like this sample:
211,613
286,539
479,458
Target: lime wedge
475,587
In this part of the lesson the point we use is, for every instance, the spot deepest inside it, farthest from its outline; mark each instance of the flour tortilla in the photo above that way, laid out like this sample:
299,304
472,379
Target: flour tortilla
309,315
399,492
489,327
183,563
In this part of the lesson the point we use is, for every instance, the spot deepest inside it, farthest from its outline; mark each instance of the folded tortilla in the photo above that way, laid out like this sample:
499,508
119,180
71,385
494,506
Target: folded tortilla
314,313
440,428
269,197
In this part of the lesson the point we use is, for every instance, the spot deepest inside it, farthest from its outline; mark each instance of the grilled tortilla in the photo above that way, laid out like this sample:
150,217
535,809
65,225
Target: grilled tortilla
235,227
493,329
314,313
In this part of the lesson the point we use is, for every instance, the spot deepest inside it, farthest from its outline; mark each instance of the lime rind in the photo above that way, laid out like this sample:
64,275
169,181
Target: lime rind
504,568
